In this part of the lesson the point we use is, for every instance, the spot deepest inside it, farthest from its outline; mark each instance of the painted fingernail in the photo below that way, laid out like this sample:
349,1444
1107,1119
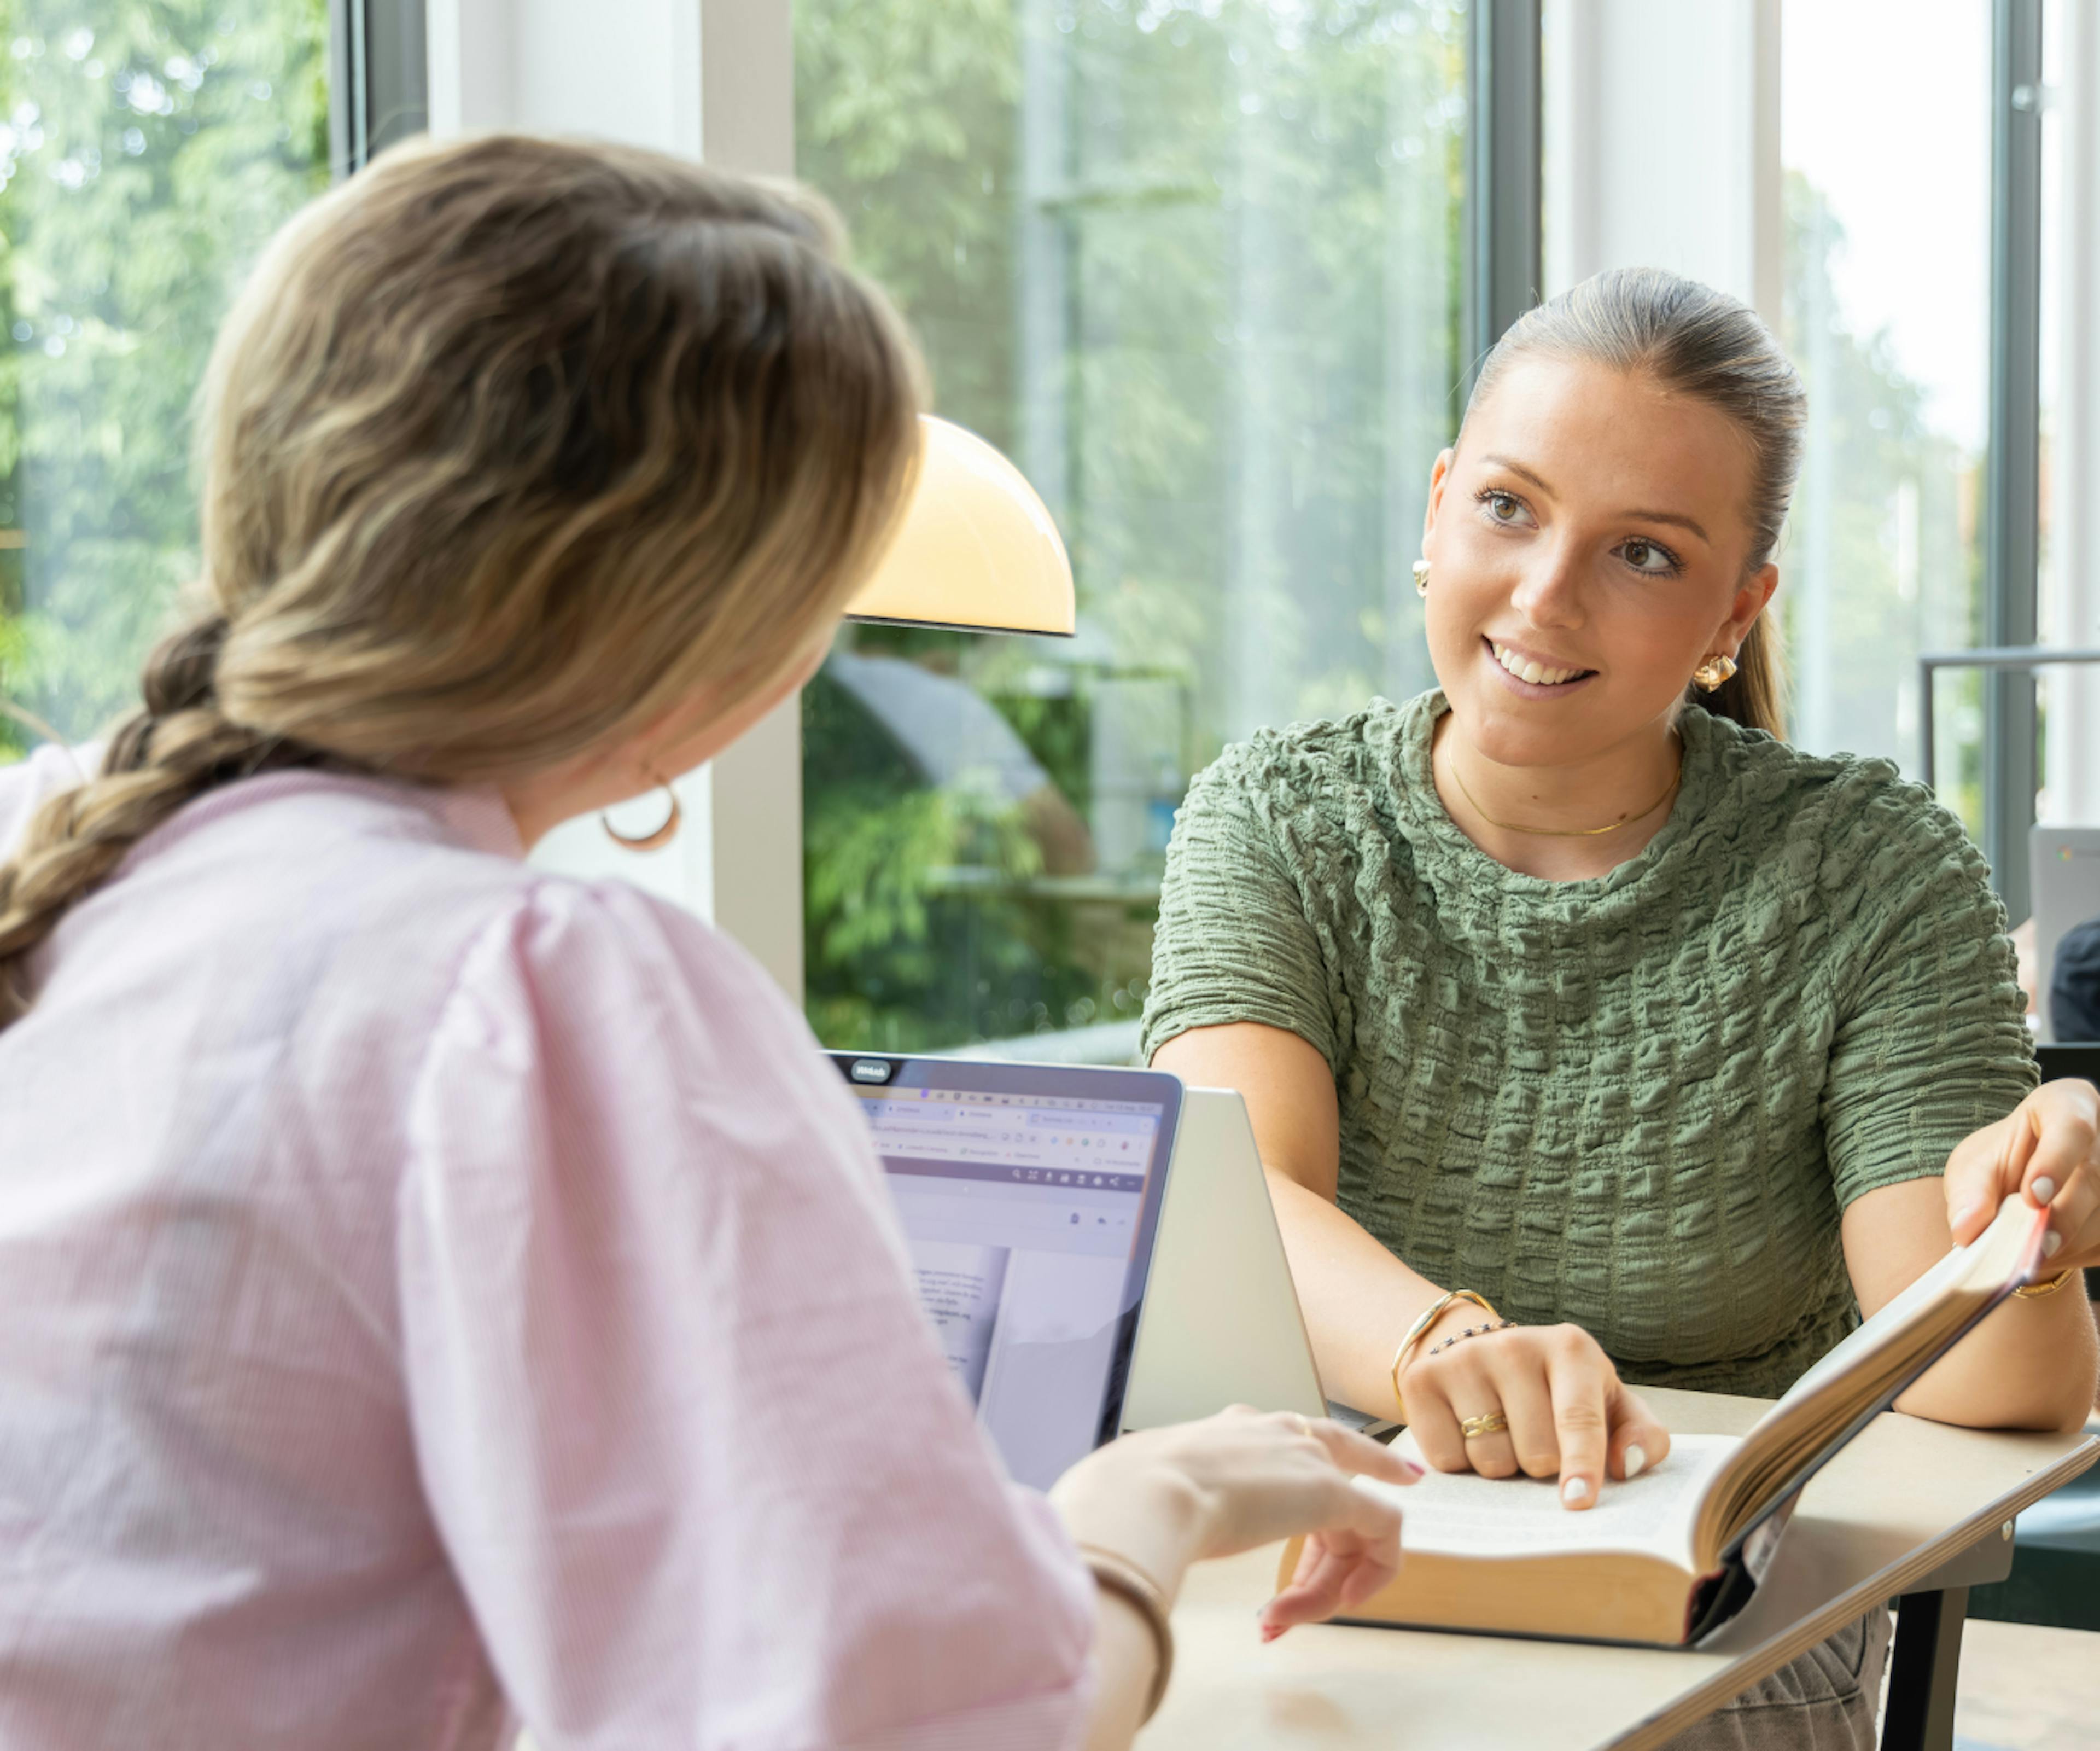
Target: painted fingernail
2043,1189
1269,1632
2052,1244
1636,1463
1575,1489
1412,1471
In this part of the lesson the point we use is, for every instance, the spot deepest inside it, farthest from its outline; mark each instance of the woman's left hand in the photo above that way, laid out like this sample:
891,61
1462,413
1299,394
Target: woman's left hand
2046,1148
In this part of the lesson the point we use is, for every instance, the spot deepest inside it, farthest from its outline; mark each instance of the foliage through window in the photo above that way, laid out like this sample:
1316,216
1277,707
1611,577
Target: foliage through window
1887,138
147,148
1194,265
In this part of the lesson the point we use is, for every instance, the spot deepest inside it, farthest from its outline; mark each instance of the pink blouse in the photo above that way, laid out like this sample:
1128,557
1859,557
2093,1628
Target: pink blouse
434,1294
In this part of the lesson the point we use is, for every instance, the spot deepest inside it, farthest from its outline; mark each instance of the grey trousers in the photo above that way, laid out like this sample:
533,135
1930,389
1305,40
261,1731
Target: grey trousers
1825,1701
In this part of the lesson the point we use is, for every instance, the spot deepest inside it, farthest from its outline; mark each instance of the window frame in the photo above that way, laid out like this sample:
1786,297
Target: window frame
399,65
378,79
2012,514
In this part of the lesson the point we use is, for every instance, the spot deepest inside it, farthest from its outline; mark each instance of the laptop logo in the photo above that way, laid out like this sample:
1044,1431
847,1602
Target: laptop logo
871,1070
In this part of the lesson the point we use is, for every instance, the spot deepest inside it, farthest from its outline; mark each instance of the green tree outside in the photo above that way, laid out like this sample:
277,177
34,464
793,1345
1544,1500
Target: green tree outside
1193,264
148,150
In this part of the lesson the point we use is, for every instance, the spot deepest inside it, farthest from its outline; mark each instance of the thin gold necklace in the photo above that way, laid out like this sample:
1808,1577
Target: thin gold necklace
1568,833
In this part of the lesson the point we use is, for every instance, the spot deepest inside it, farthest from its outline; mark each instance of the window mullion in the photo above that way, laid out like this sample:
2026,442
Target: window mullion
1502,237
2013,469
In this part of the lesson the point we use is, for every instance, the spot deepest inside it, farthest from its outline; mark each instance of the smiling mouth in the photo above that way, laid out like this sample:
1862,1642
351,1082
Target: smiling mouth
1530,670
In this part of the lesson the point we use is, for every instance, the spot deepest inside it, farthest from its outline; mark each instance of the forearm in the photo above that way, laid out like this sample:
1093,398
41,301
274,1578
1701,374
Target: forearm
2031,1364
1358,1298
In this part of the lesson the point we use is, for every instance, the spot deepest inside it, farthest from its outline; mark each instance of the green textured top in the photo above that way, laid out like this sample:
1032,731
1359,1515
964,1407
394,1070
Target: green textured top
1637,1102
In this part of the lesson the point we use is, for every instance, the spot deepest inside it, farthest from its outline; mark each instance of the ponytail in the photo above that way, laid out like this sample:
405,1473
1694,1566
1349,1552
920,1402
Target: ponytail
179,746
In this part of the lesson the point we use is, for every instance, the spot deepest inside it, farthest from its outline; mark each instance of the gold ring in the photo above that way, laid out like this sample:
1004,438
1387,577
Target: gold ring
1494,1423
1299,1425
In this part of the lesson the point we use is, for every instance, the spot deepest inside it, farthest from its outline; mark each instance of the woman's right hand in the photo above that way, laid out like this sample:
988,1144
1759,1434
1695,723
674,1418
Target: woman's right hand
1569,1415
1168,1497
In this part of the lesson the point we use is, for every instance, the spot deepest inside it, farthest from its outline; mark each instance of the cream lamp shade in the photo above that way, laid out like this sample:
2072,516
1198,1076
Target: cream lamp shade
976,548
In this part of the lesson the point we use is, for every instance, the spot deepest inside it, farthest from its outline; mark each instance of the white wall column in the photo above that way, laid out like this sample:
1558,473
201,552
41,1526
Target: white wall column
707,79
1662,144
2072,587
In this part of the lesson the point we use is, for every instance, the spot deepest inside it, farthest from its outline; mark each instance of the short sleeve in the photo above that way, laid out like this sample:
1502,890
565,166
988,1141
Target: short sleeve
1931,1040
1235,941
695,1460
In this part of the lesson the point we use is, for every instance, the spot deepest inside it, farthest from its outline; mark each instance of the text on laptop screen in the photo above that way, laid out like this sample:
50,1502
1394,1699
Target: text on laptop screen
1020,1212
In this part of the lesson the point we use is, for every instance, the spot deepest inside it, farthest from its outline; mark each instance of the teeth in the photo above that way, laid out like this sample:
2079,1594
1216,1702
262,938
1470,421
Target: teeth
1526,670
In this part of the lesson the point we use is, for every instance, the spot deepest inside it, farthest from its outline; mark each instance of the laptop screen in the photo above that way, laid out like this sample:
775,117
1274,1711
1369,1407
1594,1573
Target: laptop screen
1029,1195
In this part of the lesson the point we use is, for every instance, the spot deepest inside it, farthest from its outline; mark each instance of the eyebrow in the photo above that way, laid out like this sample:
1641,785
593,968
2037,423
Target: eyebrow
1675,517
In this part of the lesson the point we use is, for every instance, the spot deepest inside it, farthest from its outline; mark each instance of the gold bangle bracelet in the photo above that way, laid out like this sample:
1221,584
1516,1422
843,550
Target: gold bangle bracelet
2035,1291
1428,1317
1115,1573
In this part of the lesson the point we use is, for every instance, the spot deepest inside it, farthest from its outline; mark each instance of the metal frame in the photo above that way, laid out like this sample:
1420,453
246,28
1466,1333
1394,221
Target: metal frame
2012,490
1996,662
1503,269
379,88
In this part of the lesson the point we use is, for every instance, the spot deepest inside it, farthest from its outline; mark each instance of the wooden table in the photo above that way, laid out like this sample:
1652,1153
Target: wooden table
1897,1511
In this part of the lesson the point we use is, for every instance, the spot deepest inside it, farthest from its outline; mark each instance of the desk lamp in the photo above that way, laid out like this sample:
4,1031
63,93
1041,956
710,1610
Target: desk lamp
975,550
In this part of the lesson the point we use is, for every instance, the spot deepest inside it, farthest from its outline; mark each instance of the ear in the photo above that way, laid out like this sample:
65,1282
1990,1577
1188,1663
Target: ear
1749,603
1439,475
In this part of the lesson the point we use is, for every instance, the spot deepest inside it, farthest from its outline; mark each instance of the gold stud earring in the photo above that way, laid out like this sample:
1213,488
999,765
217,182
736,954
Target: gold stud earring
1421,578
648,842
1715,671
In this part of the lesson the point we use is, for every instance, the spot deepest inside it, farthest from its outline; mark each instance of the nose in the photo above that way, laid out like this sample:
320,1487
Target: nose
1549,592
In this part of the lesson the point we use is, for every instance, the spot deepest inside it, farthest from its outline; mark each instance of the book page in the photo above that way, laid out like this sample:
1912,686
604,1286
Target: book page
959,1286
1466,1515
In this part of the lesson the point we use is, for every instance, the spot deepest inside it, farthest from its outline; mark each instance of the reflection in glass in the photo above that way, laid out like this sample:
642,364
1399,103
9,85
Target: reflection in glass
1193,267
148,147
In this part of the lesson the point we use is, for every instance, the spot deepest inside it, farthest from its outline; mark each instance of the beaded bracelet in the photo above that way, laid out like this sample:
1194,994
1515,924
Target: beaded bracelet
1471,1331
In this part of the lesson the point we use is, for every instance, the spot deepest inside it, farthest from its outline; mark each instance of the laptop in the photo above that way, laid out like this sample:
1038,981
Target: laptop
2063,866
1030,1196
1221,1324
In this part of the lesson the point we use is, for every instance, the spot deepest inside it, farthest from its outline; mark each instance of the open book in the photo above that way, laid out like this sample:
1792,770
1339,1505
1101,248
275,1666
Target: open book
1676,1553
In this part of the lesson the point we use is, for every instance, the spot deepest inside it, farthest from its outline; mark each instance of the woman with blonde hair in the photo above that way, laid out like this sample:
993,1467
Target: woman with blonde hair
437,1294
1593,1036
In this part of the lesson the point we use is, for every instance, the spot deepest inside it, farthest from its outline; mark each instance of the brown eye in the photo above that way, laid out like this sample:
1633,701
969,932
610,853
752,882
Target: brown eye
1645,556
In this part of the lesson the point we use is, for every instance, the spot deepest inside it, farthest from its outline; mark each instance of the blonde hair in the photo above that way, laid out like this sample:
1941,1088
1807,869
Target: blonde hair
1691,338
508,445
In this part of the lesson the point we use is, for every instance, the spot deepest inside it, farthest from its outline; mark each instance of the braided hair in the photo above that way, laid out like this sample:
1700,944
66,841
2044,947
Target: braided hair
176,748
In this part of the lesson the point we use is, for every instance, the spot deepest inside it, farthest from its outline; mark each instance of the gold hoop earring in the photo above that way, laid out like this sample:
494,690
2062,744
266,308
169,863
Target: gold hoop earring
1421,578
663,836
1713,672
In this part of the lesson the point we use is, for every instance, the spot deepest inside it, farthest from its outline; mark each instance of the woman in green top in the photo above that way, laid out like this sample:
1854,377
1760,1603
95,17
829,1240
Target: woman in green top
1556,986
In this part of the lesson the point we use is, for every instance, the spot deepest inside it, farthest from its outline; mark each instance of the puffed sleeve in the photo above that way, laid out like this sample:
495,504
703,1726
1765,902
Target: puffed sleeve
1235,941
1931,1042
702,1473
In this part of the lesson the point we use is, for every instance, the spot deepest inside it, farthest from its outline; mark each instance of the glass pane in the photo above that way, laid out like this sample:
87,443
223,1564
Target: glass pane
148,147
1193,264
1885,133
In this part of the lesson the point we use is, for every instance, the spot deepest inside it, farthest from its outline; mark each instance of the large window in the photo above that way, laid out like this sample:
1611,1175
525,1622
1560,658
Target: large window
1886,136
148,147
1197,268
